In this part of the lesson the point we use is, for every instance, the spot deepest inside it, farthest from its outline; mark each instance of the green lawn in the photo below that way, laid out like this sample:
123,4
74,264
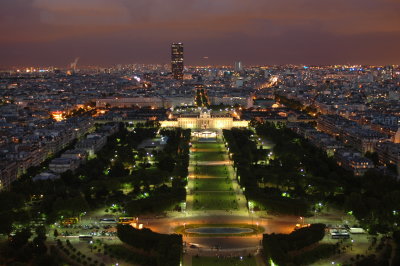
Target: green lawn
204,199
208,156
205,145
215,261
211,170
215,201
212,184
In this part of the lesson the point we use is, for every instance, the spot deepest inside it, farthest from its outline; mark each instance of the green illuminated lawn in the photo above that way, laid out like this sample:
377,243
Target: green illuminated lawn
213,190
211,170
211,146
215,201
213,184
215,261
208,156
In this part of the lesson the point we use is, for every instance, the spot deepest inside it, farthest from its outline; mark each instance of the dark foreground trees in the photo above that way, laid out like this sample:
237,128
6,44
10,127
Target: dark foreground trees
300,179
168,248
287,249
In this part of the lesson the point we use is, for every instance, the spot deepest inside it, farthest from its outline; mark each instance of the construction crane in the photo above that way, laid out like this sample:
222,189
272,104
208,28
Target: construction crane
74,64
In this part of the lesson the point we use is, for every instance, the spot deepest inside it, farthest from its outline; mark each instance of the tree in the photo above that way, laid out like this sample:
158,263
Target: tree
55,233
10,201
20,238
373,156
166,163
356,203
6,222
70,207
118,170
38,246
41,232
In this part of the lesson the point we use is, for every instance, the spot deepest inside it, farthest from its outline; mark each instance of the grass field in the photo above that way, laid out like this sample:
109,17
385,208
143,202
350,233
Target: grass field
215,201
211,146
211,170
215,261
208,156
212,187
213,184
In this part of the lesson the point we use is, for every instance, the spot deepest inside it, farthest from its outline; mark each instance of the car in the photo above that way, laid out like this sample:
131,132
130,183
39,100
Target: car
193,246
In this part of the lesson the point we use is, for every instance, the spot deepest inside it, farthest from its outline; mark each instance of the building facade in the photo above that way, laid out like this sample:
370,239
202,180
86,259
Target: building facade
140,102
204,120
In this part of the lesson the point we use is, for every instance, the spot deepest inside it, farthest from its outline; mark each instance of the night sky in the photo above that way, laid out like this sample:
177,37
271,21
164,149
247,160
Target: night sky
106,32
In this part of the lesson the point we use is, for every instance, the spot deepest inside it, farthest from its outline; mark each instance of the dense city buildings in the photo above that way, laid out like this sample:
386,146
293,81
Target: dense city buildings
199,133
177,60
44,110
218,146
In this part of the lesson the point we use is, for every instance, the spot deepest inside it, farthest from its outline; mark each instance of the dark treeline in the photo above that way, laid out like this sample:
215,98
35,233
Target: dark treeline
168,248
109,178
98,182
374,199
301,179
21,249
172,166
296,105
201,98
246,156
278,247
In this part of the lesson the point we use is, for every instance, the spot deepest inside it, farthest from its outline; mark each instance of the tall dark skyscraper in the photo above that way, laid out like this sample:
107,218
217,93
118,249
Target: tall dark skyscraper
177,60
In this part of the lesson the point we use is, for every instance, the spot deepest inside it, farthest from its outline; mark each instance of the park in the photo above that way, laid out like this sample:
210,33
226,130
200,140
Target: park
215,197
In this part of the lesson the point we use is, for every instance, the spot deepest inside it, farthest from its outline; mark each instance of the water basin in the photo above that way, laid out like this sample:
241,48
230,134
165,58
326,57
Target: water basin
219,230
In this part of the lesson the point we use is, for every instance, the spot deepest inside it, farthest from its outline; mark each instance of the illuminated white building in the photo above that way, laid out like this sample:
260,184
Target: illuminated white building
205,120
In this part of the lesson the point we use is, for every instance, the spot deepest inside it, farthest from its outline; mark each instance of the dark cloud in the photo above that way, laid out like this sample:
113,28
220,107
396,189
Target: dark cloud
254,31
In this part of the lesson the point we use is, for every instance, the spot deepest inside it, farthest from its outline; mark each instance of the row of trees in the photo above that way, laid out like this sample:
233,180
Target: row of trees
172,166
168,248
277,247
374,199
246,156
109,178
301,169
97,182
121,252
201,98
300,178
19,248
296,105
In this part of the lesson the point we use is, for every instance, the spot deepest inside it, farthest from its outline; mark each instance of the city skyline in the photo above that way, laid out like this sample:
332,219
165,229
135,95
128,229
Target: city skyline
199,132
256,32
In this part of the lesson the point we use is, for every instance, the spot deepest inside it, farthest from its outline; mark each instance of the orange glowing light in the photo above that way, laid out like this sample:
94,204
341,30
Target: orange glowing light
58,116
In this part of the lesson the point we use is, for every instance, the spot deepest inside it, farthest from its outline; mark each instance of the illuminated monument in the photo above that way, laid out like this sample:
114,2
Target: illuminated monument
204,120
